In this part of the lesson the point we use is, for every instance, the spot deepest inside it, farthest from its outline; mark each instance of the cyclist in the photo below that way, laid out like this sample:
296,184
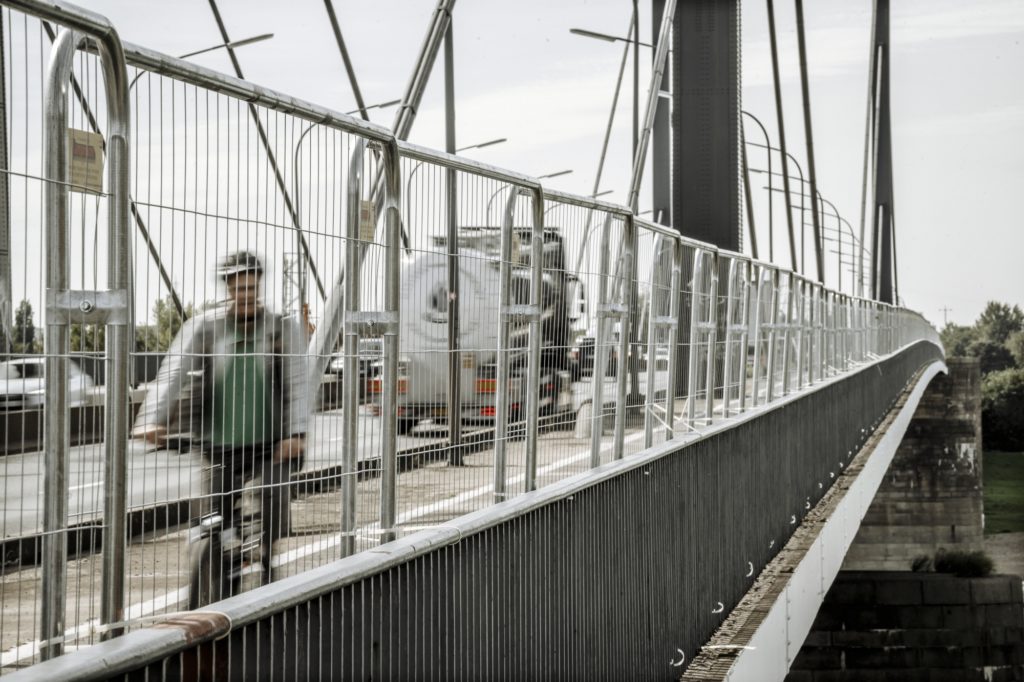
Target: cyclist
235,378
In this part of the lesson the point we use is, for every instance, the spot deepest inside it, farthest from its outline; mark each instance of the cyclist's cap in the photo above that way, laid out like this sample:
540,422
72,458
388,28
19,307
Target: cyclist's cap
237,263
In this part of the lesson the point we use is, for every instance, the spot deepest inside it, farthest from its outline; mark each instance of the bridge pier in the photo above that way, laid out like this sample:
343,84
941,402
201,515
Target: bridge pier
931,496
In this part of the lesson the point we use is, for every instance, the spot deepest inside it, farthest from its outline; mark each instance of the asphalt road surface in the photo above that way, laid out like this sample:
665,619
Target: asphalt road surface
159,476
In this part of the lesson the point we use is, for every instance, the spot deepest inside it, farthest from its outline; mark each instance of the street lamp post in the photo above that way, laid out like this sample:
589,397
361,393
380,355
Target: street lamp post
164,275
490,200
408,180
768,148
223,46
296,182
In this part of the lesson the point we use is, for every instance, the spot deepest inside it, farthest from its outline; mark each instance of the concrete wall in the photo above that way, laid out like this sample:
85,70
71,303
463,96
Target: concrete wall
931,497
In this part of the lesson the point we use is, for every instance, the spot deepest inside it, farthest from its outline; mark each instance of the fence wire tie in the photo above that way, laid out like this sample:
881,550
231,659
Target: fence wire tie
719,608
750,568
682,659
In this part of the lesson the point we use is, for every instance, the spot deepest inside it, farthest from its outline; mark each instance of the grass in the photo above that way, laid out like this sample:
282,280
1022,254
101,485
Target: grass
1004,492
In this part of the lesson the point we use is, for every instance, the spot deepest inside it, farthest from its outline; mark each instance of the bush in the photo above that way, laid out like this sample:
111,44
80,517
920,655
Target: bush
1002,417
963,564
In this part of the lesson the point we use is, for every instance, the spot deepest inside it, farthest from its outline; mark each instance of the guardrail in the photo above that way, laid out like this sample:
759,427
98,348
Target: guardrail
574,314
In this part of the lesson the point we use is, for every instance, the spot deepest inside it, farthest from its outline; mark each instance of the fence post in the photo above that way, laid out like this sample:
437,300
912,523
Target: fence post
772,337
111,307
533,360
504,306
655,323
390,342
744,336
755,388
695,326
350,349
600,349
709,391
673,337
55,416
730,310
627,296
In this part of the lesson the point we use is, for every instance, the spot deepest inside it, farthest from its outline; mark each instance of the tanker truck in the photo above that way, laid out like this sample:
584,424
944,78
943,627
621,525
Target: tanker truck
423,366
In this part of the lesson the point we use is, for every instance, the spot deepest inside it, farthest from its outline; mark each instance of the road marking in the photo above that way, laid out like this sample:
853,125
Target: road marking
333,541
90,627
86,485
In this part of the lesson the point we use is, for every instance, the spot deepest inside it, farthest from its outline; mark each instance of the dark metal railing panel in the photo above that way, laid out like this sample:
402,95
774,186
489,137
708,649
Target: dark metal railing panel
618,578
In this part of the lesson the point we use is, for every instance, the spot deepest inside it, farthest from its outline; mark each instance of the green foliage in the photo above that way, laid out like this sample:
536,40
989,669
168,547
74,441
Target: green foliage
1004,492
997,340
1002,415
999,320
25,338
994,357
88,338
1016,346
957,339
964,564
158,337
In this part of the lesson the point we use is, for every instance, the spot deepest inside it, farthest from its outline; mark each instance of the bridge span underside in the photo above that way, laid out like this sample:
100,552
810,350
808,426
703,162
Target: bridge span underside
620,573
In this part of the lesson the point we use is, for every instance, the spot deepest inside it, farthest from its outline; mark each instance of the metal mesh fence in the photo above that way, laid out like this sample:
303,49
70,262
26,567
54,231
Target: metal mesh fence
333,339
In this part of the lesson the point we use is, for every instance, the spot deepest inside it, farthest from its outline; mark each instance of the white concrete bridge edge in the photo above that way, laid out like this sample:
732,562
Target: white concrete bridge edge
778,639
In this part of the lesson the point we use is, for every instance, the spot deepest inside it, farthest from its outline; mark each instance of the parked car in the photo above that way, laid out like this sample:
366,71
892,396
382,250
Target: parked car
23,384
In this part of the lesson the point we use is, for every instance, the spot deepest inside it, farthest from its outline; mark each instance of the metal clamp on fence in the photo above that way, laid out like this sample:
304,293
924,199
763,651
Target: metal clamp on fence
371,323
521,313
616,311
87,307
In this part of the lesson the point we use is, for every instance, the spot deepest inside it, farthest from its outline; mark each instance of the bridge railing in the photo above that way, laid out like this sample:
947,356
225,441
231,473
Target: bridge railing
585,334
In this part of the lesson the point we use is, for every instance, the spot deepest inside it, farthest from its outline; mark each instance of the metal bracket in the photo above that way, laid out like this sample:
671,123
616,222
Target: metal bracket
614,310
81,306
371,323
664,321
522,313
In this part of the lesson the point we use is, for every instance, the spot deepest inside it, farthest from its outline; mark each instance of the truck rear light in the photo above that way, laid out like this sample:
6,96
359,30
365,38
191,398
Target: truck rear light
376,386
487,411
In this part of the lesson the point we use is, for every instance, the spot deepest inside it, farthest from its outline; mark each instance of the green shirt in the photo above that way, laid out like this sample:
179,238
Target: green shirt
241,408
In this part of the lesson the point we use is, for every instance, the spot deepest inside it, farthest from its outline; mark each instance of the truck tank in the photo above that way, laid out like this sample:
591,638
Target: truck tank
423,384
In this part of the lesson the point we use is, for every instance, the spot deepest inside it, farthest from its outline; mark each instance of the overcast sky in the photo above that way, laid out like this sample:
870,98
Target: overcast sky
958,103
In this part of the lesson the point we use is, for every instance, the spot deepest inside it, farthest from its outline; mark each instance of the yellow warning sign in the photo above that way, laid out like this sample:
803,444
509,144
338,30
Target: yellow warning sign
85,150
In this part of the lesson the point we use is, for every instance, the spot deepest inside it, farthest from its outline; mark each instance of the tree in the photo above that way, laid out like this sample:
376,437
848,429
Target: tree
994,357
999,320
158,337
25,340
88,338
1002,416
1015,344
957,339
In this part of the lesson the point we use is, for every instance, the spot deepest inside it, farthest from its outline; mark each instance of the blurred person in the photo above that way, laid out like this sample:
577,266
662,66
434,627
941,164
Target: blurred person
234,378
